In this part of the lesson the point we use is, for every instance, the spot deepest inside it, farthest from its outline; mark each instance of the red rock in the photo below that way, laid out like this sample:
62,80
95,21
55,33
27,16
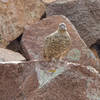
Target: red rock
29,85
84,14
70,81
33,38
15,14
12,76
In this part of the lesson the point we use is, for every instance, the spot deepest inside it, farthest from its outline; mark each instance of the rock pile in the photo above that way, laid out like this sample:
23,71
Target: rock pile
30,77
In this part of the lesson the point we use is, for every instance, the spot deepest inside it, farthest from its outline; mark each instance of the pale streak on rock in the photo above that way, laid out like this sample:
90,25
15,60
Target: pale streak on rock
4,1
74,54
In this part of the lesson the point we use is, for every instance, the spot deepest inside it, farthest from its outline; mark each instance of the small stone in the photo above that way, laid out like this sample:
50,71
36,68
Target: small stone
9,55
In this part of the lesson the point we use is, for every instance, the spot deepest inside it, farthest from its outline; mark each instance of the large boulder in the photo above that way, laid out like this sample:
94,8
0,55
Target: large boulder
84,14
15,14
70,81
33,39
12,76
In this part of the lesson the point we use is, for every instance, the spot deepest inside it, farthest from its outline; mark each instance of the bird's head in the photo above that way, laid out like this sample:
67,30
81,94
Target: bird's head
62,27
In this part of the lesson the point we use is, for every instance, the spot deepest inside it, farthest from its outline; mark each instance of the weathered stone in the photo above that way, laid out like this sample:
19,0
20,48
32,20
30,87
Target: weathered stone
14,15
30,84
9,55
84,14
33,39
12,76
70,81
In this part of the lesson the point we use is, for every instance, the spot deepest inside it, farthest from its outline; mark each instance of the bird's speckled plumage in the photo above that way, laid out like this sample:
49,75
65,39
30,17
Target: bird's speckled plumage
57,44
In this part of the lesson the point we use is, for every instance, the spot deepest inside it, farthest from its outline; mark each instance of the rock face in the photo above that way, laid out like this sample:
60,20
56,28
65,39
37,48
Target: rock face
68,82
14,15
33,39
35,80
8,55
12,75
84,14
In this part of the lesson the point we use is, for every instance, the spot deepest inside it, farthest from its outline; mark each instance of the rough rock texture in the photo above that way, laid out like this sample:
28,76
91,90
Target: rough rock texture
84,14
33,39
68,82
14,15
9,55
12,75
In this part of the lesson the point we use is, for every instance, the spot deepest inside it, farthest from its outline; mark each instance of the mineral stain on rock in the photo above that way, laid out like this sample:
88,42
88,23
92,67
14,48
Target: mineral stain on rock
45,77
74,54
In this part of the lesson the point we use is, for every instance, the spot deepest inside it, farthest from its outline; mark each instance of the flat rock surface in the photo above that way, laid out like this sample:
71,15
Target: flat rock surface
12,76
84,14
14,15
70,81
9,55
33,39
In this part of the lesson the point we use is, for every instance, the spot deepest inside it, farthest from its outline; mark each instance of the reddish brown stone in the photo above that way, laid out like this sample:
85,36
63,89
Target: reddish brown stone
68,82
29,85
12,75
84,14
33,38
15,14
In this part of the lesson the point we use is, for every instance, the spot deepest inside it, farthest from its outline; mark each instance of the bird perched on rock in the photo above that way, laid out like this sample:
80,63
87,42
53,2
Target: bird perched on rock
57,44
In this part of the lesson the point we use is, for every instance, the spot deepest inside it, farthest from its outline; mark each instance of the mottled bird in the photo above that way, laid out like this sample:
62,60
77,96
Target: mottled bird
57,44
